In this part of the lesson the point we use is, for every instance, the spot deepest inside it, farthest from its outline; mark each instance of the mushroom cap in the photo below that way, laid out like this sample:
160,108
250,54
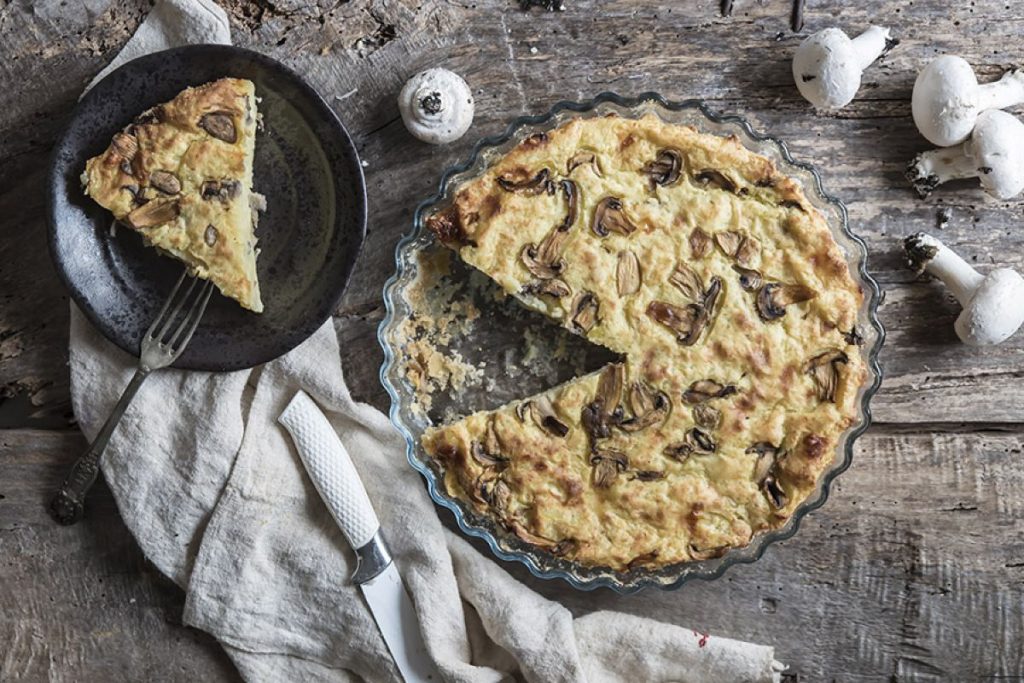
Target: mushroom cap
826,69
995,311
944,103
436,106
997,147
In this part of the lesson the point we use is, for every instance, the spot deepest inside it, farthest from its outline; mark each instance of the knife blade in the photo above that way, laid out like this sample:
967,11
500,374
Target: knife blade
337,481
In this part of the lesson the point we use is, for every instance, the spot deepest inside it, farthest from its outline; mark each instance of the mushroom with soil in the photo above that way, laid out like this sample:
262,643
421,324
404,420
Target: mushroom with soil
994,153
948,99
436,106
827,66
993,304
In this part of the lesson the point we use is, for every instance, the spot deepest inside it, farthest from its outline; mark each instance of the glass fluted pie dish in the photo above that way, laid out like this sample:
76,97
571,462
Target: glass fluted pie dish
454,345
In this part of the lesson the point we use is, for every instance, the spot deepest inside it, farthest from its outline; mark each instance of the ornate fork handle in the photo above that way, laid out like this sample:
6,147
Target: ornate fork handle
68,505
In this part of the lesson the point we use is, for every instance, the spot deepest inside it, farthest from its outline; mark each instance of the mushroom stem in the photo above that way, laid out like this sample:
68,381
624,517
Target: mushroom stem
930,169
1006,92
870,45
931,255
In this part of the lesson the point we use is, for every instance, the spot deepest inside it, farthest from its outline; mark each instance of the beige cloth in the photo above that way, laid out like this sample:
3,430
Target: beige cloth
213,490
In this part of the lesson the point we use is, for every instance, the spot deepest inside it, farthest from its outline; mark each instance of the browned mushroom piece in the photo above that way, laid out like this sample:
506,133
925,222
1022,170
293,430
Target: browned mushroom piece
696,442
706,389
687,281
750,279
584,313
609,216
729,242
710,177
627,273
649,406
711,295
700,441
854,337
683,320
486,458
222,190
125,145
608,464
165,181
581,159
598,416
539,183
773,298
642,560
749,248
219,124
647,475
565,547
688,322
491,490
700,554
520,530
542,410
707,416
446,224
700,242
679,451
545,261
824,370
766,471
665,168
154,213
767,455
554,287
572,198
610,385
774,492
595,422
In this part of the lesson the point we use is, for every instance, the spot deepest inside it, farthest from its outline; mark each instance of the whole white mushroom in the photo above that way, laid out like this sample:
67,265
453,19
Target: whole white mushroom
827,66
947,99
436,106
994,153
993,304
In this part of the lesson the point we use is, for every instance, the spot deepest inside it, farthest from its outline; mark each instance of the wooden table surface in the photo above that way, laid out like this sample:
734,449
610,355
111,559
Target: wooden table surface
915,568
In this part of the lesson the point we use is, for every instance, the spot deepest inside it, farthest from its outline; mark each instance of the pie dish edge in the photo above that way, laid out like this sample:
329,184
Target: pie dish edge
540,563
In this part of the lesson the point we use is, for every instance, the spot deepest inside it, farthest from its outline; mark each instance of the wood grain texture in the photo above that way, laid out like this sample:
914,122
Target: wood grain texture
913,571
82,603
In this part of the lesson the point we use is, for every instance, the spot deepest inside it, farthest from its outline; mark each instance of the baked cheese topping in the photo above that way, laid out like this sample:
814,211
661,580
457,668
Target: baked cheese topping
735,312
181,175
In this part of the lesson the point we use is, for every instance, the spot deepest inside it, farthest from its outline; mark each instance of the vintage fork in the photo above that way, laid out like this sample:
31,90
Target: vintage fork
160,347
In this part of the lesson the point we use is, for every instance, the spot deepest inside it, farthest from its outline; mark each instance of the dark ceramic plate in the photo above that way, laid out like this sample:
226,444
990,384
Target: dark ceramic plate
309,236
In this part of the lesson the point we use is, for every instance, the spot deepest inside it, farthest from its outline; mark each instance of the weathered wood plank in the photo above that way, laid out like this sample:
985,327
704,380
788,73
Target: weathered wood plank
914,567
911,571
81,603
683,51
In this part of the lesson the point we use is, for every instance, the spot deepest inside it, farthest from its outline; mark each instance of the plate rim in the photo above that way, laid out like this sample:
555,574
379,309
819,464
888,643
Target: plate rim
55,184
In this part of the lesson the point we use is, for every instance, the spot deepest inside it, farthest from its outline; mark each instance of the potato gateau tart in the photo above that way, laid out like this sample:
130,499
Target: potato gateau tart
181,175
735,312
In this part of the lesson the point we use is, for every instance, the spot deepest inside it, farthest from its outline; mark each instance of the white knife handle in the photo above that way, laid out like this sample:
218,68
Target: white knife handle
331,470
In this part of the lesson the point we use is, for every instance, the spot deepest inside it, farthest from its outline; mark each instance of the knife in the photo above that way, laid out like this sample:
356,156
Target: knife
330,467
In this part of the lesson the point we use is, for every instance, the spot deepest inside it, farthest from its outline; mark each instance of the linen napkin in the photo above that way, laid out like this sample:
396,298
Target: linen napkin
216,496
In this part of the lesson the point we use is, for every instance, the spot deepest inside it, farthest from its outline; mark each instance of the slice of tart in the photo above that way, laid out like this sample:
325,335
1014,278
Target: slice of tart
181,175
734,308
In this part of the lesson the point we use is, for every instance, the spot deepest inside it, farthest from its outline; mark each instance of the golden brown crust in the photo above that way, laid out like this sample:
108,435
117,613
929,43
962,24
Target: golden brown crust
181,175
733,306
